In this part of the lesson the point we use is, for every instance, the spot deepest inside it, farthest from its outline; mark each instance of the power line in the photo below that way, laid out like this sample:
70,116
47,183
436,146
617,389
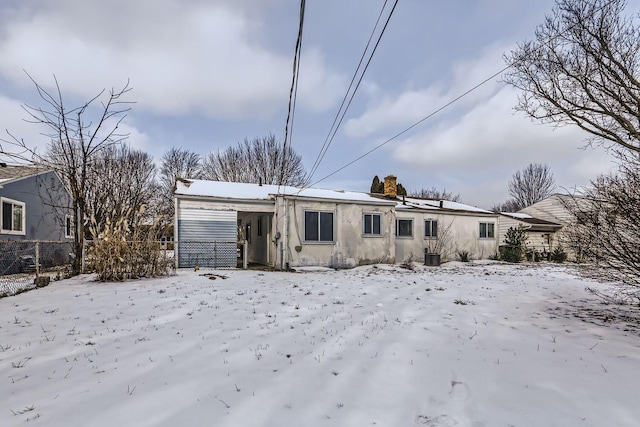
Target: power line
428,116
331,135
344,99
293,94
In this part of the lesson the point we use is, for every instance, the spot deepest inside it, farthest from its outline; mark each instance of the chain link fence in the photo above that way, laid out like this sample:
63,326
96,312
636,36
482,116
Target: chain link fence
22,260
213,254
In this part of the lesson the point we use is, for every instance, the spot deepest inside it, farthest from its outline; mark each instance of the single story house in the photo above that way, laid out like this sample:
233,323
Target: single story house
292,227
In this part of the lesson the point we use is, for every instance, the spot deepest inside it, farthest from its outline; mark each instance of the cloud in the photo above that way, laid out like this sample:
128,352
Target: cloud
205,59
408,107
480,150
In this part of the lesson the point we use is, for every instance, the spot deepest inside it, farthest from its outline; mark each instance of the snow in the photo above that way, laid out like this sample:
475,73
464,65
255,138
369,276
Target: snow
435,204
236,190
517,215
459,345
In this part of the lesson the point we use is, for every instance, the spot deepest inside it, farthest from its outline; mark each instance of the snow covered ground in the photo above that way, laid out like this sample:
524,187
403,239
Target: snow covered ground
459,345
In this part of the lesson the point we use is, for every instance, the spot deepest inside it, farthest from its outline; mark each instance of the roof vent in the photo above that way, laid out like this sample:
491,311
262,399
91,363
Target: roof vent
3,165
441,204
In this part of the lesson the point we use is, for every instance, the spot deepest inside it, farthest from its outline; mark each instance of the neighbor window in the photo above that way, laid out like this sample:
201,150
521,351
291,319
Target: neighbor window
430,228
68,224
318,226
371,224
487,230
404,227
13,217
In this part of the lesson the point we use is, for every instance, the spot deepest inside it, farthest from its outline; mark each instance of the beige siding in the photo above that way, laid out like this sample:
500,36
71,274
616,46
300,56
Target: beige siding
459,231
350,247
550,209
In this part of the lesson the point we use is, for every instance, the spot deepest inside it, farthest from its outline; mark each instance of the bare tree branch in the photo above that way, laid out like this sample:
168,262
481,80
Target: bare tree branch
583,69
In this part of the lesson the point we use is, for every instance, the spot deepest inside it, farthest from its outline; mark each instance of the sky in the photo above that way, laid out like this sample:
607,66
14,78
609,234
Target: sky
206,74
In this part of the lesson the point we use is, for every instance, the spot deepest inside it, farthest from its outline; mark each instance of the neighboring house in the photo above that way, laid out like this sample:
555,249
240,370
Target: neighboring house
291,227
547,222
541,234
34,205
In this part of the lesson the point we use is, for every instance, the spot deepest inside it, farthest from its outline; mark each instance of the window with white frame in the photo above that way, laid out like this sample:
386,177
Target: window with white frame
404,227
372,224
68,227
13,217
318,226
487,230
430,228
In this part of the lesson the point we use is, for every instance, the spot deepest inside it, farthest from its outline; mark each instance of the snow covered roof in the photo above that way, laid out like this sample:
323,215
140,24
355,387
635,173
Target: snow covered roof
438,205
10,173
517,215
528,219
244,191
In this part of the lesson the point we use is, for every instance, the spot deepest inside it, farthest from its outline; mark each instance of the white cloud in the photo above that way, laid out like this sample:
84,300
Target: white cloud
485,146
410,106
205,59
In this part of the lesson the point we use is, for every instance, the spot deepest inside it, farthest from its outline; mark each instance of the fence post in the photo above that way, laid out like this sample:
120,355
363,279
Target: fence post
245,254
37,259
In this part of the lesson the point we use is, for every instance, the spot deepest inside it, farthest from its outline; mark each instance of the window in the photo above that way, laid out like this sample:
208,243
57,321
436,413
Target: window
371,224
259,227
13,217
68,224
487,230
404,227
430,228
318,226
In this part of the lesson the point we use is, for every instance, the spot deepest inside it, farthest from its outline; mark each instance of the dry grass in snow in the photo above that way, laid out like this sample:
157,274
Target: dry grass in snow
460,345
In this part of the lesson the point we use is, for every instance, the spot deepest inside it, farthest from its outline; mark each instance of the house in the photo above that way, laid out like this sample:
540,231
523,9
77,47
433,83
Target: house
541,234
292,227
34,206
546,222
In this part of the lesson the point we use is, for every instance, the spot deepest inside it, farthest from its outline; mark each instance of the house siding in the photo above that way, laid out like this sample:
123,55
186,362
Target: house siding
47,204
350,247
463,235
550,209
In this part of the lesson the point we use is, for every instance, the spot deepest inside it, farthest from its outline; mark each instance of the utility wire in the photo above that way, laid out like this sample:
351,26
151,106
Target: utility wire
316,163
293,94
433,113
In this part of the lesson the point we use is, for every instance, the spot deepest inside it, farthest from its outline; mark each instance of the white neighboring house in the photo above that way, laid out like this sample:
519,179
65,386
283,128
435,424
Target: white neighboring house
547,221
292,227
542,234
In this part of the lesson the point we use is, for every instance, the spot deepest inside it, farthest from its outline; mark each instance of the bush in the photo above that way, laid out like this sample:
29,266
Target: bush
510,254
121,251
515,239
463,256
558,255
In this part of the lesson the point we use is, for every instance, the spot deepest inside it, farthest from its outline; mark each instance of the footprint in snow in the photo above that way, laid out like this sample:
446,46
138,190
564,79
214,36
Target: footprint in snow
437,421
459,391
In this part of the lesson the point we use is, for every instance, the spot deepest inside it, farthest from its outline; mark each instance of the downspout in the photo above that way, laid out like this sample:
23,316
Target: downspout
176,242
286,234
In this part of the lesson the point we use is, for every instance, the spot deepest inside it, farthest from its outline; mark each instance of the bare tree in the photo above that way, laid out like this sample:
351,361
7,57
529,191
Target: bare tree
76,136
434,193
122,180
583,70
607,224
260,160
176,163
532,184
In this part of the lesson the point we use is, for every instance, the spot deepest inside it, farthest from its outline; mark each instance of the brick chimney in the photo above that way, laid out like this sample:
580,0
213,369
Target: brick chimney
390,186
